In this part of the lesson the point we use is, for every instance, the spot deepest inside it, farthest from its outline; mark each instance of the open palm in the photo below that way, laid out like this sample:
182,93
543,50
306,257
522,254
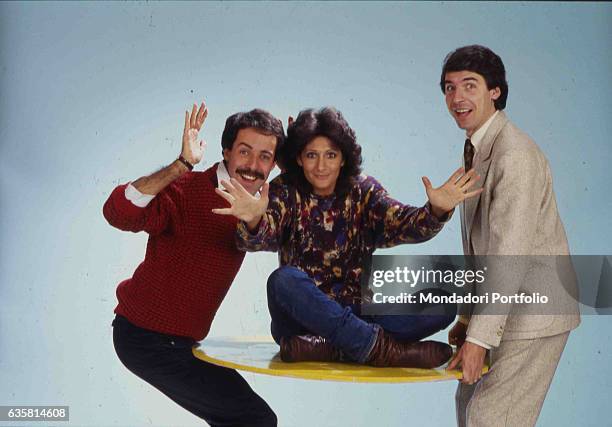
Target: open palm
243,205
193,148
454,191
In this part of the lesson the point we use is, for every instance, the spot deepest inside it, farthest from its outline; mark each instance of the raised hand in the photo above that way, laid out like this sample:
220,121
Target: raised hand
243,205
193,149
454,191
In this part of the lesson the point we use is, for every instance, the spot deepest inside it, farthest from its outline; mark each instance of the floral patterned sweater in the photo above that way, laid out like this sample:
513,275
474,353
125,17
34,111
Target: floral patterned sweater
332,239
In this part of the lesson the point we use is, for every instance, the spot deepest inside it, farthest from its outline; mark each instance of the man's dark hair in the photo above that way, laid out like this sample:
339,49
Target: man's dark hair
264,122
327,122
481,60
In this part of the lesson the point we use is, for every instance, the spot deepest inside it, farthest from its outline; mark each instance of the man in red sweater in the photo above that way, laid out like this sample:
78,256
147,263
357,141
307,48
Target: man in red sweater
190,262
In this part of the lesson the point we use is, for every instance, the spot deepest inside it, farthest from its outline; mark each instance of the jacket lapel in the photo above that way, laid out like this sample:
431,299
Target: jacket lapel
482,161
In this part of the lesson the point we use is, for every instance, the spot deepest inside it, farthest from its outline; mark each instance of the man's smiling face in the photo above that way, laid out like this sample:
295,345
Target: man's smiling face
251,158
469,100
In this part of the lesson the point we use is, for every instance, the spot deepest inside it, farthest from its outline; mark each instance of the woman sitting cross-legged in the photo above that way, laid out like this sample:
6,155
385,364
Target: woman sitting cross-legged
326,219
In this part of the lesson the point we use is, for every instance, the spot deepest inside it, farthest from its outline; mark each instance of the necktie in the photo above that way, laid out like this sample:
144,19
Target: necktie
468,154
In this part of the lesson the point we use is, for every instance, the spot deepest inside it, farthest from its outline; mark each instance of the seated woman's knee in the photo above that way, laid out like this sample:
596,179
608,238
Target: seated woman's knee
282,277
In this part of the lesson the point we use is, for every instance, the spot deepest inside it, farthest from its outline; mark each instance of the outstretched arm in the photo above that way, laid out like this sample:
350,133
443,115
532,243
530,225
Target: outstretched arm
192,151
395,223
139,206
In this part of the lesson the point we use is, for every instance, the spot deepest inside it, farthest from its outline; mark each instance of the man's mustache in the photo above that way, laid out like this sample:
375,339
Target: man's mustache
251,172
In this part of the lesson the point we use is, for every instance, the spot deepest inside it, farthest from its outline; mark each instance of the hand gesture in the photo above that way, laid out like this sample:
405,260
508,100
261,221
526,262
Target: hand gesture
243,205
454,191
193,149
456,336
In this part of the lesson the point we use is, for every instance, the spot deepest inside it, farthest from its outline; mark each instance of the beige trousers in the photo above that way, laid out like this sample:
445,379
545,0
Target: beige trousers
511,394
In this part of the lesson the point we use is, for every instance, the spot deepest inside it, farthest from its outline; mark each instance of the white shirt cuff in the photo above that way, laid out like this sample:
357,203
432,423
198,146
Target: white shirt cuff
478,342
136,197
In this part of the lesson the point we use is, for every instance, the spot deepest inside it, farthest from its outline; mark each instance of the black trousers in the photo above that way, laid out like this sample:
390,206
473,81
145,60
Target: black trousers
218,395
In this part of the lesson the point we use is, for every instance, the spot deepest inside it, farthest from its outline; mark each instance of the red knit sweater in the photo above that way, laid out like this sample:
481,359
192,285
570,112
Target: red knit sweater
191,257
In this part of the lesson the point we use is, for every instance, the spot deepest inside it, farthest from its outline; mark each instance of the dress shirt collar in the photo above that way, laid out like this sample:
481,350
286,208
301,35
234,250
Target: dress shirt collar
476,138
222,174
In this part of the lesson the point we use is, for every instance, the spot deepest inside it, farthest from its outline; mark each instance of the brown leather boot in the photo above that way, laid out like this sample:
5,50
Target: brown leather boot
420,354
308,348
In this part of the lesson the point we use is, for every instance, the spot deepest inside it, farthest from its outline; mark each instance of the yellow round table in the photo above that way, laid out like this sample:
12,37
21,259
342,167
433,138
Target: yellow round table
260,355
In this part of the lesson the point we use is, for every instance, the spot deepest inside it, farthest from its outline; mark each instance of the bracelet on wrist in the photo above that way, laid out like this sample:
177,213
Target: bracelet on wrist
185,162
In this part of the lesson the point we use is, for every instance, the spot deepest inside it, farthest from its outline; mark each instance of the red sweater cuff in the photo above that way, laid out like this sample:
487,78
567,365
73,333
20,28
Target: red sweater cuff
117,208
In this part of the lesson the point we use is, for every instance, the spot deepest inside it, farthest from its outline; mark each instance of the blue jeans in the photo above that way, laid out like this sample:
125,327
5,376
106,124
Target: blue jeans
298,307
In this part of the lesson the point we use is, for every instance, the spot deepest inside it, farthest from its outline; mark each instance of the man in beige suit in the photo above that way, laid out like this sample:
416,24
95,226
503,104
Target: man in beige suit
516,214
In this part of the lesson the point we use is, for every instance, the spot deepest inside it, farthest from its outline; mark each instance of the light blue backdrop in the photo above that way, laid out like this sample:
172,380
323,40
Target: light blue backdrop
93,95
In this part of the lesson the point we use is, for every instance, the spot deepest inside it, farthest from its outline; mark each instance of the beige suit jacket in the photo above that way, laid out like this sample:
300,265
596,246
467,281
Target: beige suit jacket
516,214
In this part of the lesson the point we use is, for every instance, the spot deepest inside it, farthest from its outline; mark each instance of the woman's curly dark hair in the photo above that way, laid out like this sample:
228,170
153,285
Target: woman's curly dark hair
327,122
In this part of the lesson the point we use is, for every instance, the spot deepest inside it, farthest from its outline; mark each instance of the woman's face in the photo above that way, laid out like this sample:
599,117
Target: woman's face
321,161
